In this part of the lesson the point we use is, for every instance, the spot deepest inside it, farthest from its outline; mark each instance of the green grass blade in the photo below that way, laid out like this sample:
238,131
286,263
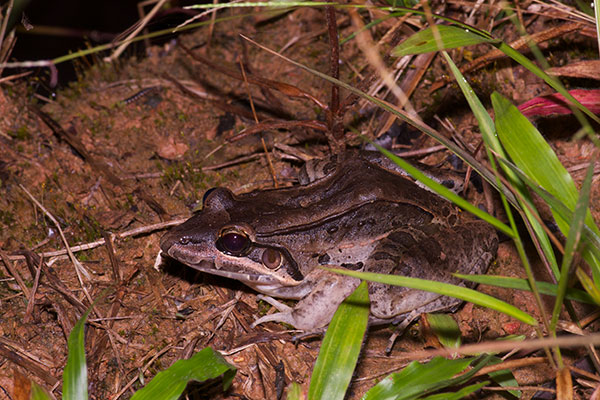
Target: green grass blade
530,151
75,373
38,392
447,193
294,392
445,329
202,366
417,380
504,377
451,37
461,394
269,4
550,80
546,288
444,289
573,241
591,238
525,202
341,346
488,132
532,155
464,155
597,16
485,122
588,285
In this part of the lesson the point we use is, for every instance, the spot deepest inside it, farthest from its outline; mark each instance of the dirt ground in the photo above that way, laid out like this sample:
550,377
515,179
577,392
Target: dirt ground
136,143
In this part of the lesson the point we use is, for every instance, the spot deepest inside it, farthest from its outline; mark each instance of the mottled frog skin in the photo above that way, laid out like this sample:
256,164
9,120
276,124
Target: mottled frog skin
359,213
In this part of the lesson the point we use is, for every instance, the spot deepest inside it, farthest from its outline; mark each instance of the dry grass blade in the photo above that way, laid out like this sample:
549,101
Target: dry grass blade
519,44
286,89
88,246
12,271
508,345
564,384
9,351
80,269
139,26
369,48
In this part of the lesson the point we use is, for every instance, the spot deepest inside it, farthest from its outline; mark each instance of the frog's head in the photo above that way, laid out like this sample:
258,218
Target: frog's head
220,240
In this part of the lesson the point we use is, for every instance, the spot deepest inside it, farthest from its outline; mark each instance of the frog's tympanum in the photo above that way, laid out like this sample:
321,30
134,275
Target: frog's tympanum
359,213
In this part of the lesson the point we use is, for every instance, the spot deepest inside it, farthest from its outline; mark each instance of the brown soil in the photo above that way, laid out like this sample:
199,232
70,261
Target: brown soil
125,158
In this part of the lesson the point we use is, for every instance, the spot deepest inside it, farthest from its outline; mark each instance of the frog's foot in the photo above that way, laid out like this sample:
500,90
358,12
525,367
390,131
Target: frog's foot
400,328
315,333
275,303
284,314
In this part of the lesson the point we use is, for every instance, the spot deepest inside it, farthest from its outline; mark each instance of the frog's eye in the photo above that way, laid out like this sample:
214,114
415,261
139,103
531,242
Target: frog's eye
233,243
271,258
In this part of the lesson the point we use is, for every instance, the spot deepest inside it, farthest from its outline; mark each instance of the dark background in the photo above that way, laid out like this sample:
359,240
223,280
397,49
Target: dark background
64,26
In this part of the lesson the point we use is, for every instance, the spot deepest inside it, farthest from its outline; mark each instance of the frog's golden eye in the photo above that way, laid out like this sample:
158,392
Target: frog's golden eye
271,258
234,243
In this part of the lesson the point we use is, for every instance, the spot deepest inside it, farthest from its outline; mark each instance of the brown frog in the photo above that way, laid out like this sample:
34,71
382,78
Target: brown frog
362,215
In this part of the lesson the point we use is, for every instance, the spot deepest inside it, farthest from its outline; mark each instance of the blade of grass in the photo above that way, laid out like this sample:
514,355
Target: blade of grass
38,392
591,238
417,380
294,392
546,288
461,394
488,132
527,209
588,285
581,209
341,346
504,377
75,374
444,289
451,37
447,193
169,384
445,328
532,154
465,156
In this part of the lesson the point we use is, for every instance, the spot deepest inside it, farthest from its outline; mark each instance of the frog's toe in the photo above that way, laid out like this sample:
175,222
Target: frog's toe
285,317
275,303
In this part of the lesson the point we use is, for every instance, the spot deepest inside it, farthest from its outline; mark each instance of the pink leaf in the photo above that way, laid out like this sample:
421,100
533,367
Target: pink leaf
556,104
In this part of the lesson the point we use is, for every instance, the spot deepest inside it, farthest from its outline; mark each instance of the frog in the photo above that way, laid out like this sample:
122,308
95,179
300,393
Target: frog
359,212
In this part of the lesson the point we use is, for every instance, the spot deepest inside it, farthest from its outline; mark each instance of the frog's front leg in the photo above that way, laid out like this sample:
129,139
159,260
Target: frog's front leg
317,308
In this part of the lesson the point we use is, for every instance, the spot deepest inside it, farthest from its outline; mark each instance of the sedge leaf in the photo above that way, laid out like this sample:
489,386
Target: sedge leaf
169,384
341,346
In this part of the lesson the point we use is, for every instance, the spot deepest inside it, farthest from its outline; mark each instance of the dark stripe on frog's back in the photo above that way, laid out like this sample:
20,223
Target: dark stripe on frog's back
356,183
367,221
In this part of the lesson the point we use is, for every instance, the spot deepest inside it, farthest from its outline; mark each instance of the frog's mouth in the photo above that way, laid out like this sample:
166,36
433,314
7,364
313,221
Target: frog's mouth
208,266
248,278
